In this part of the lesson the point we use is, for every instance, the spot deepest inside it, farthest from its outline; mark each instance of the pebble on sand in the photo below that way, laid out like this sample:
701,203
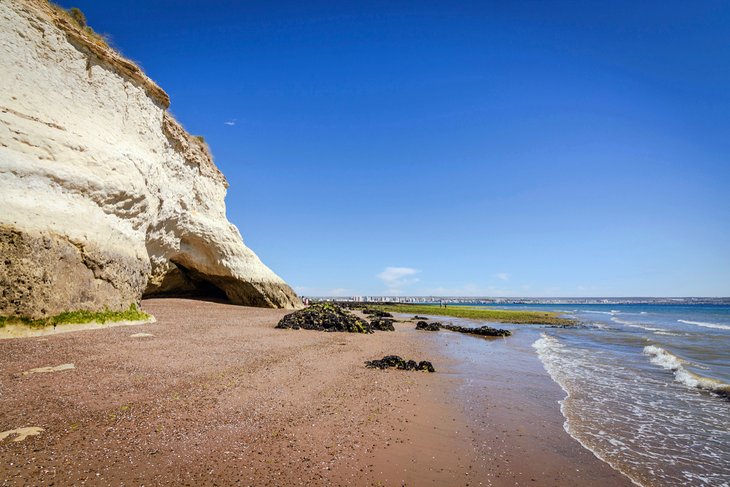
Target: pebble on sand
21,433
46,370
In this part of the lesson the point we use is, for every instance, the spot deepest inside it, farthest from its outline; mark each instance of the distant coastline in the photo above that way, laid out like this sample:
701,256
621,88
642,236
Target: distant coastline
478,300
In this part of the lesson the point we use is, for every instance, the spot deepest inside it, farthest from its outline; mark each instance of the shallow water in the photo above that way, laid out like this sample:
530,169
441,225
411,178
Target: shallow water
511,406
647,388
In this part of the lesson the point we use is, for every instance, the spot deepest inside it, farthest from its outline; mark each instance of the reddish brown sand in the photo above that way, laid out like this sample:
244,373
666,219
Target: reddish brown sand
219,397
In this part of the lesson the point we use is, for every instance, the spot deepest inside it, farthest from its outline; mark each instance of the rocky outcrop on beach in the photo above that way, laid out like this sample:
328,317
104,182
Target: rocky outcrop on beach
325,317
104,196
382,324
485,331
423,325
377,312
396,362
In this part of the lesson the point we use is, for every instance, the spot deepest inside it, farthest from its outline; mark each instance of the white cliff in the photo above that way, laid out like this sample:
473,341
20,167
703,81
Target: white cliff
103,196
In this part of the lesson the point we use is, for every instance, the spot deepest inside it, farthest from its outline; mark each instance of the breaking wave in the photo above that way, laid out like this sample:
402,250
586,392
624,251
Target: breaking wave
667,360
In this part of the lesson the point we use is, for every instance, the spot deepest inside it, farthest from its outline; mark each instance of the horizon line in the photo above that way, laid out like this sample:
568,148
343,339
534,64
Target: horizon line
423,296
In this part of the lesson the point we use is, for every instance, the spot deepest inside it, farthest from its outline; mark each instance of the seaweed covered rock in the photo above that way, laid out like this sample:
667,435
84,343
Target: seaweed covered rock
325,317
394,361
420,318
377,312
422,325
382,324
486,331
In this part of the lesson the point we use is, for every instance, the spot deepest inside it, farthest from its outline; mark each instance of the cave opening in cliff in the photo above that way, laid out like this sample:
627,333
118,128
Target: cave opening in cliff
184,282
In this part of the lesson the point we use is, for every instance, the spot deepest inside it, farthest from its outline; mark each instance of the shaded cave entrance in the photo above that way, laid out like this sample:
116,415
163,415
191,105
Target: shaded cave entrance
182,282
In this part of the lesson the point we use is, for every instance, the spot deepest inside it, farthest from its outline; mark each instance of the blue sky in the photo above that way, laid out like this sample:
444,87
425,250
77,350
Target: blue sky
456,148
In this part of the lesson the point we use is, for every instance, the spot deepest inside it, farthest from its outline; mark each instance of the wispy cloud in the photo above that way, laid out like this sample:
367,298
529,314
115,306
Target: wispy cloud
502,276
230,123
396,278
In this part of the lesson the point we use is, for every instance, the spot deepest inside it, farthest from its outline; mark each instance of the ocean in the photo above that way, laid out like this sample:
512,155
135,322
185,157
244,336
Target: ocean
647,387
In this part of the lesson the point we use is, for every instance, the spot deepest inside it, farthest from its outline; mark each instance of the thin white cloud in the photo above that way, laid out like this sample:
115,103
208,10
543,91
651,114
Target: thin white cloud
502,276
396,278
230,123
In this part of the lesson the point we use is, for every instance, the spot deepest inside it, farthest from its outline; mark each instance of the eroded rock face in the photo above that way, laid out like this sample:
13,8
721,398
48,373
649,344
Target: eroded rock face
104,197
45,273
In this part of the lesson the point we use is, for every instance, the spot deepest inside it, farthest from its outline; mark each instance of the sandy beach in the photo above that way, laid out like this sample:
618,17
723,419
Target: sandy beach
212,394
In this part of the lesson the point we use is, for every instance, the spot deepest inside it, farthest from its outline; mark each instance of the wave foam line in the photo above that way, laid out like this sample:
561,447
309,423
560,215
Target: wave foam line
667,360
548,348
706,325
634,324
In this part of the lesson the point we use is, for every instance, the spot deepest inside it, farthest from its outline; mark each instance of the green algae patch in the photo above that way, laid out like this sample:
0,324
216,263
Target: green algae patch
77,17
78,317
486,314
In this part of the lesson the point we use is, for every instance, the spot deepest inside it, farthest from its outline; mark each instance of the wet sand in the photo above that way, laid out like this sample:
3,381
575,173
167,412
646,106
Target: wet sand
217,396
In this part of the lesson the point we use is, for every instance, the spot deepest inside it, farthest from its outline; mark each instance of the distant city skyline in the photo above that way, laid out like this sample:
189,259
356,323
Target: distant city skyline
615,300
470,148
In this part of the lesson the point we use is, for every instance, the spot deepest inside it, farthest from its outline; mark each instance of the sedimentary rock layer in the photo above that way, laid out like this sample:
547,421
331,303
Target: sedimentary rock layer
104,197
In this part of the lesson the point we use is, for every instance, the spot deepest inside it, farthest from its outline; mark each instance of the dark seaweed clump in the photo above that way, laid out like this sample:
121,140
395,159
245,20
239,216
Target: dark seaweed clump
394,361
325,317
377,312
422,325
382,324
486,331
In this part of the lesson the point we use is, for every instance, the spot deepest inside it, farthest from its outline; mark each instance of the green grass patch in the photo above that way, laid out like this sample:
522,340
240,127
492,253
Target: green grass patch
486,314
77,17
81,316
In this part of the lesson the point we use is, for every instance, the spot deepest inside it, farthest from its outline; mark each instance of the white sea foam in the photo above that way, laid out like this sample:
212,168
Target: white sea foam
546,343
563,368
717,326
623,322
634,324
616,410
659,356
601,326
667,360
668,333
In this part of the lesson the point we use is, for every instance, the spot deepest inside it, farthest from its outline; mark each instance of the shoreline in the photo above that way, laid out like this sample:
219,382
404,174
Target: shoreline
219,395
506,390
